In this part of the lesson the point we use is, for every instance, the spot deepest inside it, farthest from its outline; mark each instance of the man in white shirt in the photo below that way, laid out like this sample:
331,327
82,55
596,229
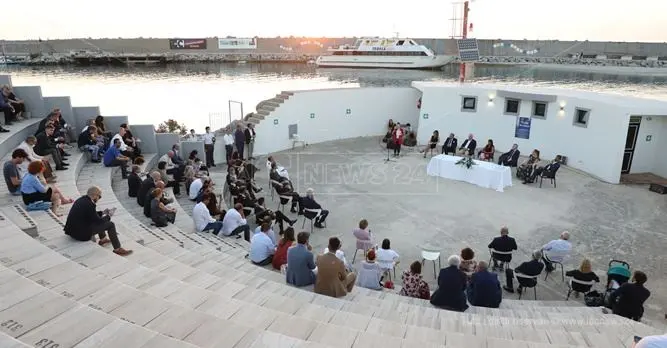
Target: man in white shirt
262,247
209,141
27,146
192,136
229,145
124,149
270,232
657,341
196,186
167,159
557,250
234,223
203,220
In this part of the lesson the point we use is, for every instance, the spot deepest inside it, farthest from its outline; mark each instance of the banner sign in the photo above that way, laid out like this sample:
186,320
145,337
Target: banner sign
187,44
237,44
522,129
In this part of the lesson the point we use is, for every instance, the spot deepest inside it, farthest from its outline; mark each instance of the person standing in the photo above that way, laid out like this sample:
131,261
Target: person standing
250,139
209,142
397,136
229,145
239,139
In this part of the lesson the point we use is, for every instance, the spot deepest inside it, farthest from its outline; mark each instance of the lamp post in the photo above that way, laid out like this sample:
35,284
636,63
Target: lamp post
464,35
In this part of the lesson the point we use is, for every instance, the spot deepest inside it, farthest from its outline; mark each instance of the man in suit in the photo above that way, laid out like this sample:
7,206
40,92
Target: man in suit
450,145
46,146
239,139
83,222
177,159
250,139
452,281
530,268
309,202
300,264
147,186
511,157
504,244
468,147
332,278
484,288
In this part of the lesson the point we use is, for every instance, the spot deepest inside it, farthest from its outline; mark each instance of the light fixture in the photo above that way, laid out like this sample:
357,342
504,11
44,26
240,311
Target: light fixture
562,105
491,97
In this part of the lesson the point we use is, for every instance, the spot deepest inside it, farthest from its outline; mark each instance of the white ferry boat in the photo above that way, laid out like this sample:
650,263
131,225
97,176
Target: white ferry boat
394,53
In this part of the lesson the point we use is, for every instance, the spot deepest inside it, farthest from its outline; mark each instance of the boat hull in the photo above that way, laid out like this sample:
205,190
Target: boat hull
384,62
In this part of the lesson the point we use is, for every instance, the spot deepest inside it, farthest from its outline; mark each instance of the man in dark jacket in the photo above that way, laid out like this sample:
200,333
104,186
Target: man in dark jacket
484,288
309,202
450,293
503,244
239,140
83,222
87,142
147,186
46,146
511,157
250,139
530,268
133,182
628,300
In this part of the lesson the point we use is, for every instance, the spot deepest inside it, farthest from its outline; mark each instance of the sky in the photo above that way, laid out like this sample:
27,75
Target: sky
595,20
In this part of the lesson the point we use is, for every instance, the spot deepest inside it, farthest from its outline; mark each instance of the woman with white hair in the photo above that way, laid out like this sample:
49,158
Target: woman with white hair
450,293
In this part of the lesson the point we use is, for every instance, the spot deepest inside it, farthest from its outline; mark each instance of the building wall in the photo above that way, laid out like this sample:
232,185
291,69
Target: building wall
596,149
643,160
660,167
370,109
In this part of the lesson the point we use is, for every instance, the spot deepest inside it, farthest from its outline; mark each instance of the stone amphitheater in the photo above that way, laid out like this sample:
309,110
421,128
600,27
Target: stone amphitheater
185,289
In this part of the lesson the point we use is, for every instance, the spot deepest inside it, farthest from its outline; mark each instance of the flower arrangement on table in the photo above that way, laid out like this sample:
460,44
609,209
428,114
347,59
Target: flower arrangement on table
467,162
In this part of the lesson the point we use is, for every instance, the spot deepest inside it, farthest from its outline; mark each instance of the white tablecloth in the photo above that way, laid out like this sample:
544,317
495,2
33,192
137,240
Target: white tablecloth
484,174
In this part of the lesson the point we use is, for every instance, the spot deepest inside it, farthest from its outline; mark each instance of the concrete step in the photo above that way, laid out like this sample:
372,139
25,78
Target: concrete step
261,113
20,217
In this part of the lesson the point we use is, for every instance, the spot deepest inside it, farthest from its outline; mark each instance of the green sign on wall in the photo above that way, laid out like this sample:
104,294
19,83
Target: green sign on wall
425,116
312,115
275,121
348,111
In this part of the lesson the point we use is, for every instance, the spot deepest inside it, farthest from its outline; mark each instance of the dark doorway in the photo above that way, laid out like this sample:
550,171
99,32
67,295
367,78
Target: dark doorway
630,142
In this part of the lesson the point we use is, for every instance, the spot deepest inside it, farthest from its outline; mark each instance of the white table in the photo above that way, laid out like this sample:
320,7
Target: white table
484,174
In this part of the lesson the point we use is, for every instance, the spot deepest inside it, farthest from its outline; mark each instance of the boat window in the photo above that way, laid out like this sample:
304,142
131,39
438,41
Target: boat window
400,43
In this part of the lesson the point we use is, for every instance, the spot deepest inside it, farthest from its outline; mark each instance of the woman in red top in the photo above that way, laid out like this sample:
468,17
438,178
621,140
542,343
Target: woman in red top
397,137
280,257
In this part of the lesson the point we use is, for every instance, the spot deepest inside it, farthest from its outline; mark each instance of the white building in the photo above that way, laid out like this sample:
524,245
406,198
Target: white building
603,135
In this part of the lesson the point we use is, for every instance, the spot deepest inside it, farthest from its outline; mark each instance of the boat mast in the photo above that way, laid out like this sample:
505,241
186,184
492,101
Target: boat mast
464,35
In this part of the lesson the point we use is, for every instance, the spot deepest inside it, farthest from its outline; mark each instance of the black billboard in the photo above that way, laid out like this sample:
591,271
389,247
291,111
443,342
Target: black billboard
187,44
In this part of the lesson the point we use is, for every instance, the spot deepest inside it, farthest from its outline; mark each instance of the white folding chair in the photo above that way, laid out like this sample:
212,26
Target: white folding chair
494,251
431,255
308,214
519,275
581,282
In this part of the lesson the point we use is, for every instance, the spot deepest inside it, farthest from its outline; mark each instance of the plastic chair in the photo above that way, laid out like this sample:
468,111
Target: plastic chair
556,263
362,244
551,175
431,256
581,282
312,214
519,275
502,263
283,201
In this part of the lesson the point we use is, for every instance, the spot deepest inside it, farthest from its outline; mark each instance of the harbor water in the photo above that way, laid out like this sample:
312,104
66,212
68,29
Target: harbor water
198,95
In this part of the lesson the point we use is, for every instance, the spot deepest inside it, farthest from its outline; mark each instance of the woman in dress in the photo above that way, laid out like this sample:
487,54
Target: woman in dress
433,143
487,152
525,169
397,136
413,283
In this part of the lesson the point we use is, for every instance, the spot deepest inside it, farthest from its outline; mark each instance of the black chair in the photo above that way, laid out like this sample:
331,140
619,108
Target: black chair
503,264
556,263
582,287
312,214
519,275
549,174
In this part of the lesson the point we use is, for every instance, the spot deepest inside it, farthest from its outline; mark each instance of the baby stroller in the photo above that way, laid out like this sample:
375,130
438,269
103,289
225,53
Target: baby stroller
618,274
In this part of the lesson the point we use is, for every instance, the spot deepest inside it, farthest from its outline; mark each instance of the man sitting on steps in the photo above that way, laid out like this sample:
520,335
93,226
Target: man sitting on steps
234,223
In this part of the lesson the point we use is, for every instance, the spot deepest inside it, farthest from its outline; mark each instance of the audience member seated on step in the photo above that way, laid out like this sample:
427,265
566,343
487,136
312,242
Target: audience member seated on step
300,262
308,202
468,147
130,140
45,146
287,241
87,141
585,274
214,207
149,198
126,150
164,176
114,158
387,258
363,236
628,300
160,213
370,273
432,143
196,187
332,277
7,109
468,264
486,153
27,146
17,103
234,223
503,244
84,222
450,293
655,341
172,168
285,189
147,186
10,170
203,220
525,169
550,169
62,128
413,283
484,288
340,254
449,146
557,250
102,129
511,157
263,214
262,247
189,175
133,182
196,161
33,190
530,268
269,232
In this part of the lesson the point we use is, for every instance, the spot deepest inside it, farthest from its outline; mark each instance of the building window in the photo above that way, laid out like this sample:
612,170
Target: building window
469,104
581,117
539,110
512,106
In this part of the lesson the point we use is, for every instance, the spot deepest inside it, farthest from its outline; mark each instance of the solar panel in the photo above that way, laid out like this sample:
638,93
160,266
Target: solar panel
468,50
469,56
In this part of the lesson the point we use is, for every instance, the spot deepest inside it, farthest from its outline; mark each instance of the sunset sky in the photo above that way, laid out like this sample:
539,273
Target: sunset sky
608,20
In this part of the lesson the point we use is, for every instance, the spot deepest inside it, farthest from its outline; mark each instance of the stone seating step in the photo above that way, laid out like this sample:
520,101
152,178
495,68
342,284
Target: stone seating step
20,217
